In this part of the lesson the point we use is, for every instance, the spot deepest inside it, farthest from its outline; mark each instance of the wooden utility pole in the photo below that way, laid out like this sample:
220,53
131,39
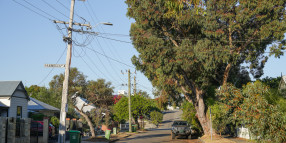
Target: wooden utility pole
64,105
129,100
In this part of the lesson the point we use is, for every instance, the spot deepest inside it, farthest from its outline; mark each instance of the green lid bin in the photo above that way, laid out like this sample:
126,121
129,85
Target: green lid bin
107,134
133,128
75,136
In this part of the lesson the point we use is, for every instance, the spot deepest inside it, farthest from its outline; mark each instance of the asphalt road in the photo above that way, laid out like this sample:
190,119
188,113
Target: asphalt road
161,134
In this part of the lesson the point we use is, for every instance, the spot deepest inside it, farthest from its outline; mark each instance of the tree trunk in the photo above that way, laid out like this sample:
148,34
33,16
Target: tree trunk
200,107
195,96
201,112
88,122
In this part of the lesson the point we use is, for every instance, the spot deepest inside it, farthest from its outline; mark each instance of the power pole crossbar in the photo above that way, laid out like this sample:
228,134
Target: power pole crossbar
88,26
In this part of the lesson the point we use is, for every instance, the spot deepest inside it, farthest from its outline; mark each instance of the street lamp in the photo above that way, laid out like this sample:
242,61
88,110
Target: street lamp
104,23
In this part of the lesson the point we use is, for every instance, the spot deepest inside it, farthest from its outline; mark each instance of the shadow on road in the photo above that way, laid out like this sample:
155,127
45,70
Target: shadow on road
163,129
166,112
167,121
147,136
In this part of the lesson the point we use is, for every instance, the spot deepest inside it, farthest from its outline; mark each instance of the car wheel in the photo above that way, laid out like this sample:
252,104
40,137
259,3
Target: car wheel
173,135
190,137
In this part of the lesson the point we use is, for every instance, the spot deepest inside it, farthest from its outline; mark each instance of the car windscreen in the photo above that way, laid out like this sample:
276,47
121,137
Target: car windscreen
182,123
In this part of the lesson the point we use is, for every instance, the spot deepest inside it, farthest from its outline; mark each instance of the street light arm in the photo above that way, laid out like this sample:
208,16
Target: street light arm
104,23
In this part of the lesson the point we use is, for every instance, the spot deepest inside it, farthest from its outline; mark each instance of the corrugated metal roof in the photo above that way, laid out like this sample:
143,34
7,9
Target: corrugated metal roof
7,88
37,105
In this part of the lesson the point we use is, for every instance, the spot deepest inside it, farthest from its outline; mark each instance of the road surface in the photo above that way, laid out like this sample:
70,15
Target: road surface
161,134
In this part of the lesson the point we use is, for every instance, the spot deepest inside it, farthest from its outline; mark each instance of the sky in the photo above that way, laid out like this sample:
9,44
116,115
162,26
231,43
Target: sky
30,39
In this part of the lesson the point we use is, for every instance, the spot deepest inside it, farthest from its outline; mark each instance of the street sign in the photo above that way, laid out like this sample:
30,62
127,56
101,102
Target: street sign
55,65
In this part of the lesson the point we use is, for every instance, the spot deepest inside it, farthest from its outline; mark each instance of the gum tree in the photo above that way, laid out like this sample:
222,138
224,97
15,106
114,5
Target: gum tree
187,46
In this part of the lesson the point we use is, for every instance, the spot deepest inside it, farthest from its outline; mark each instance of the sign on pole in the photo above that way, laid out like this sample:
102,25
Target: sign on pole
55,65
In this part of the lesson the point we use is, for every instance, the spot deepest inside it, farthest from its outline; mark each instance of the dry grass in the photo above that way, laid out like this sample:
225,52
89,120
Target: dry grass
215,139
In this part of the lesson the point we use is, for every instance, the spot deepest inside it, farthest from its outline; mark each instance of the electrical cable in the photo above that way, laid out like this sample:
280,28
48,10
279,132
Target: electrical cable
52,68
55,9
110,58
69,9
103,65
114,39
89,66
107,43
32,10
40,9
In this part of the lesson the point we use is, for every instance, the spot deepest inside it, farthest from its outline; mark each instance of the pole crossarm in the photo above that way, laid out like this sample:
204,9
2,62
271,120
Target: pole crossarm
88,26
85,32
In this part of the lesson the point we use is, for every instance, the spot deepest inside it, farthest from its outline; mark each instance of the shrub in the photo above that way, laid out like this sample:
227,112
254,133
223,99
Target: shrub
156,117
249,106
55,121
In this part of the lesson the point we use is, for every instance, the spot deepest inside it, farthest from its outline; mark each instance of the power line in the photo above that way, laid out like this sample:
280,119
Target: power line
51,69
114,39
88,66
55,9
110,58
68,9
107,43
104,65
40,9
104,41
32,10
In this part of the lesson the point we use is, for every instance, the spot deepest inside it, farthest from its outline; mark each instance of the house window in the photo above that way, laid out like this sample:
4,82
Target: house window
19,111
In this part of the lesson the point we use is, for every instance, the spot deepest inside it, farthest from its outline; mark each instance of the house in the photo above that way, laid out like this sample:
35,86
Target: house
13,99
35,105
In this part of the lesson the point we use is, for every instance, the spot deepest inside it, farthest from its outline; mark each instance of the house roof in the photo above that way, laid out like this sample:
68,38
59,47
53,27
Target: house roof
7,88
37,105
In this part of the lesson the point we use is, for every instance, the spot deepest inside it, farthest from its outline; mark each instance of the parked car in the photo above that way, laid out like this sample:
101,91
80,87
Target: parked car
37,128
181,128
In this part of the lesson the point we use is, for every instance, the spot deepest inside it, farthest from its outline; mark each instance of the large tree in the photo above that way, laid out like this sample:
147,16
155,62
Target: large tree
200,43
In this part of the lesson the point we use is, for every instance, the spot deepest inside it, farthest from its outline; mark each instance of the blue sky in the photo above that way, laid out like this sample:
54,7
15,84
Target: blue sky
30,40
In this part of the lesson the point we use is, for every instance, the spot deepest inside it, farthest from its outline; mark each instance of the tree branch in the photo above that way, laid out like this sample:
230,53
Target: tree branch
169,36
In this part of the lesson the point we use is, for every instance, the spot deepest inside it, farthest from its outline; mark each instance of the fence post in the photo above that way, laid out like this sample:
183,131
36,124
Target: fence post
11,130
3,127
46,130
27,129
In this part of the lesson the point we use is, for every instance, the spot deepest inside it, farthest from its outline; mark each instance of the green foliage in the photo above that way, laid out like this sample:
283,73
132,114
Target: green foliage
139,106
36,116
99,93
271,82
189,115
156,117
248,106
55,121
220,118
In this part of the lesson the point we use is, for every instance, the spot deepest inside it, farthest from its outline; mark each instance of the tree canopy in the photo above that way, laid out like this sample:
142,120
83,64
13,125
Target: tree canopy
193,49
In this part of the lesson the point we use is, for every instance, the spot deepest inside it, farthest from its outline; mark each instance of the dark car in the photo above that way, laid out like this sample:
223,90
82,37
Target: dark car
181,128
